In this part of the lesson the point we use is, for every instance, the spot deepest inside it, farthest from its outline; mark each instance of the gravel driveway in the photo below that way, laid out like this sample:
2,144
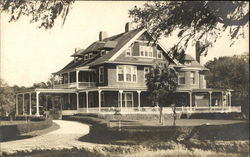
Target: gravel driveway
65,137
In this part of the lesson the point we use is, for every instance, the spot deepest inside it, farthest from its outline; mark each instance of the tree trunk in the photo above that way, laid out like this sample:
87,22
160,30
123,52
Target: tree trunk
161,121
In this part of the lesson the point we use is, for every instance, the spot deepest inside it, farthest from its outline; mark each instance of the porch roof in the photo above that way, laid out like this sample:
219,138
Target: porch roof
204,90
46,90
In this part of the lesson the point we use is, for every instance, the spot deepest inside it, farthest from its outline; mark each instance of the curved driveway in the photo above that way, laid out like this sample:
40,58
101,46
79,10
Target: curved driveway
64,137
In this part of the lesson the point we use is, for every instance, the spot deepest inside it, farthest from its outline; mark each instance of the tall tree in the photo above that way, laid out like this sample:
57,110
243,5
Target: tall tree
203,21
161,84
233,73
7,100
43,12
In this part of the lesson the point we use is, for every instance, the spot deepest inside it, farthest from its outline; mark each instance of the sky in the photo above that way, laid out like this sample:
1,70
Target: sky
29,55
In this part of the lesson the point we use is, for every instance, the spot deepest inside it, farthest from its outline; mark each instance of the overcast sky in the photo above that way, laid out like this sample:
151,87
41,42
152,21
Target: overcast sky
29,55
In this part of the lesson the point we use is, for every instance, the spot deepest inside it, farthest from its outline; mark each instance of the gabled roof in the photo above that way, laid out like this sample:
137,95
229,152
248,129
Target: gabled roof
116,44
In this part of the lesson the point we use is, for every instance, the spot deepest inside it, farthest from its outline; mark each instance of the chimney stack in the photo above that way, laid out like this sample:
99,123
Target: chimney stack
197,51
128,27
102,35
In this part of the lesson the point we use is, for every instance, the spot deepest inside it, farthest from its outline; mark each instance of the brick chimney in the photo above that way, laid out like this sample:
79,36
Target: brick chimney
128,27
197,51
102,35
198,55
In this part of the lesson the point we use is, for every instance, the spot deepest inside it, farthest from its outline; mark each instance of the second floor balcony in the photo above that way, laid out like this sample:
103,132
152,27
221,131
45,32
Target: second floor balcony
76,85
77,79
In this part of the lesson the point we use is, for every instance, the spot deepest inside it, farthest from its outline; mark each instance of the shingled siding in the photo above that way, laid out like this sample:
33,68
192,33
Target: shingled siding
112,78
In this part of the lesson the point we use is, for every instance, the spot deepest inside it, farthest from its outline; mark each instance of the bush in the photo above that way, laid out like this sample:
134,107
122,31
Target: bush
11,132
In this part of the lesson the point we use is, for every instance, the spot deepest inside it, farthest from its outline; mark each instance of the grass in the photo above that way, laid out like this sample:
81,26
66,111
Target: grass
14,122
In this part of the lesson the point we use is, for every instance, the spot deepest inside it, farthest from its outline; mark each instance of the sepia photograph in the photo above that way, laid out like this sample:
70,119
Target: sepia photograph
124,78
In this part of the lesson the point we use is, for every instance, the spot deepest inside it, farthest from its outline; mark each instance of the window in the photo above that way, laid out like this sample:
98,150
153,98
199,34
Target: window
90,55
146,51
187,62
192,77
159,54
127,99
126,73
181,78
120,73
102,52
128,52
85,56
146,71
101,74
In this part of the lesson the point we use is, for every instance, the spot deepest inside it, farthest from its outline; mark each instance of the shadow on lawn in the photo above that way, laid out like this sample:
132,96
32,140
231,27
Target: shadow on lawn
178,134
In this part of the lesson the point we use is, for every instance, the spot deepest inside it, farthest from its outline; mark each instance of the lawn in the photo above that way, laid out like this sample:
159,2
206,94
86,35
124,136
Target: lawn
169,122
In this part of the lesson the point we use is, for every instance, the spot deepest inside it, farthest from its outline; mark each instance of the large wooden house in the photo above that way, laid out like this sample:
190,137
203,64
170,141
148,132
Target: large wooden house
110,74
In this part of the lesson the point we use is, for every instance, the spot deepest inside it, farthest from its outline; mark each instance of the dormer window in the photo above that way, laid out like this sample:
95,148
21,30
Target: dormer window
146,51
187,62
86,56
90,55
103,52
128,52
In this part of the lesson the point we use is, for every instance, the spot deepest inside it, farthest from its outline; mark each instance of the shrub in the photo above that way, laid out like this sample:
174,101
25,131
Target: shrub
10,132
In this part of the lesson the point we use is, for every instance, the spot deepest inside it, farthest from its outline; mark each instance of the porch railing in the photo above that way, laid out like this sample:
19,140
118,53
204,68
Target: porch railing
165,109
73,85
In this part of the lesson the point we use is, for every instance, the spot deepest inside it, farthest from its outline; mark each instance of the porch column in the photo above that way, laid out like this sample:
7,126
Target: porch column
230,100
222,100
23,105
68,78
77,100
120,96
99,99
77,74
87,101
30,104
37,104
139,99
210,98
17,104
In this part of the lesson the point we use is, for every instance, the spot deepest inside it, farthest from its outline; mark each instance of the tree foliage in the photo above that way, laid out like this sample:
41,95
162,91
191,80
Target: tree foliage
161,83
7,100
232,73
43,12
203,21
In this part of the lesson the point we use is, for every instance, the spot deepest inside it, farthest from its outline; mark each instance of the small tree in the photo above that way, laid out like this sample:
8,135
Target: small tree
161,84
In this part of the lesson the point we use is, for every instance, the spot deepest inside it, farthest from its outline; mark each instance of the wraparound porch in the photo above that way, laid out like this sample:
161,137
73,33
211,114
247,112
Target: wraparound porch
109,100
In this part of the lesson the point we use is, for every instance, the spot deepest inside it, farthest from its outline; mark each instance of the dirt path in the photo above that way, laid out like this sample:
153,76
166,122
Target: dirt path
65,137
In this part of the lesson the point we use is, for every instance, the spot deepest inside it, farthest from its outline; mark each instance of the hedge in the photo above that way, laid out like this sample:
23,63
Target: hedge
12,132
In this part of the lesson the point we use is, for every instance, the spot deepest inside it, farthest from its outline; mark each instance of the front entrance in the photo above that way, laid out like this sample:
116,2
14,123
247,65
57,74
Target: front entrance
127,100
56,111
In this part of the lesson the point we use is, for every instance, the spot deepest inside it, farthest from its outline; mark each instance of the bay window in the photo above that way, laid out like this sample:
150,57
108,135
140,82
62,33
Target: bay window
126,73
181,78
192,77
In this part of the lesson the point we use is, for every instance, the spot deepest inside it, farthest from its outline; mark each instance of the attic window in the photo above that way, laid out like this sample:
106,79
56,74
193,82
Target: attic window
86,56
128,52
146,51
187,62
102,52
90,55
